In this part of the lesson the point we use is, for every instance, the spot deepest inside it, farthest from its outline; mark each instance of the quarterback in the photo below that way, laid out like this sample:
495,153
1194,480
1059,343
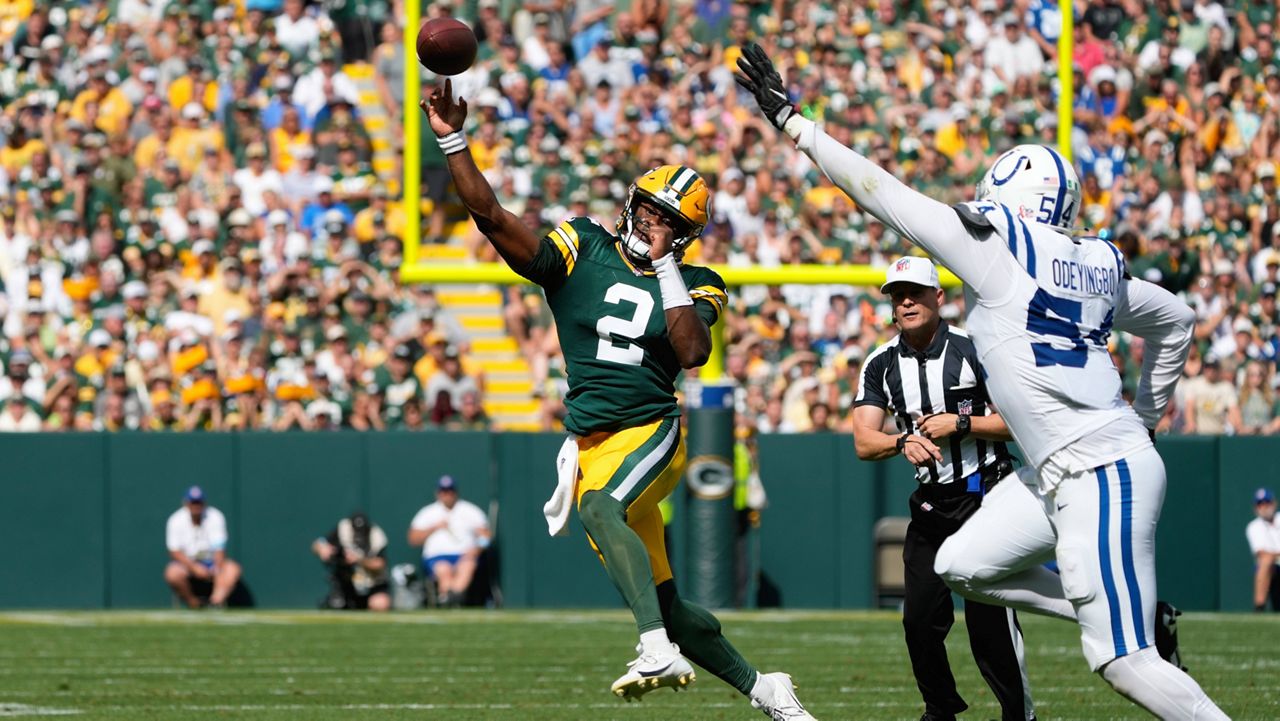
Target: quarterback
630,316
1041,302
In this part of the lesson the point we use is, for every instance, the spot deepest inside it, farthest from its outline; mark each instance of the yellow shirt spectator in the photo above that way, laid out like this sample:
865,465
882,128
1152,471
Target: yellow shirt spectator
114,109
187,146
12,14
14,159
950,140
285,143
182,91
392,223
485,154
823,196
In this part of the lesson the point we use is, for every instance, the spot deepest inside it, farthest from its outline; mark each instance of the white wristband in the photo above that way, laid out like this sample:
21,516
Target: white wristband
453,142
794,126
675,294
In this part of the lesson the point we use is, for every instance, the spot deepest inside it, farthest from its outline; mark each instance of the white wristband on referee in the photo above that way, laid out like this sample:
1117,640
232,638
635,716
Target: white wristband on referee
453,142
675,294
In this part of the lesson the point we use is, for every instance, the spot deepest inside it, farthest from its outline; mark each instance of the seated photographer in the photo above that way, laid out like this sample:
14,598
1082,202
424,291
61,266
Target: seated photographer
355,554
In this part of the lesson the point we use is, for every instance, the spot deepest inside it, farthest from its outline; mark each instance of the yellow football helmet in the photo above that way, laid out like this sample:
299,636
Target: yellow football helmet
679,191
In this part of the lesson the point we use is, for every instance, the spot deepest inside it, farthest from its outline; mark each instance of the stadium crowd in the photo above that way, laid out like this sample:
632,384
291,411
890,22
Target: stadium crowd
192,237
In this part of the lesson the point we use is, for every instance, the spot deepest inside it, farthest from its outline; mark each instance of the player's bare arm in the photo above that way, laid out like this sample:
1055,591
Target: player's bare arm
1264,566
689,336
514,241
991,427
873,444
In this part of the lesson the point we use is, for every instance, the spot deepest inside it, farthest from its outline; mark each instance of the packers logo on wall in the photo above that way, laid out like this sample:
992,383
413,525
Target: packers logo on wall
710,477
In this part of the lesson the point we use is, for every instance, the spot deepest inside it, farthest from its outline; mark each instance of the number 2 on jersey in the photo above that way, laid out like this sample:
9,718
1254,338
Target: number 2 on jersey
630,328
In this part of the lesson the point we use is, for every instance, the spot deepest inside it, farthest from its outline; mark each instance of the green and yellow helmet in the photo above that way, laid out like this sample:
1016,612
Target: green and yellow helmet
679,191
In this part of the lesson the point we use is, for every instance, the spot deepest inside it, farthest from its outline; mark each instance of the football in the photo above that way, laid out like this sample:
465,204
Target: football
446,46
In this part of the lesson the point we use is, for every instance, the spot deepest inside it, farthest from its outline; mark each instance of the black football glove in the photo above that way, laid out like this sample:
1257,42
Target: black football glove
760,78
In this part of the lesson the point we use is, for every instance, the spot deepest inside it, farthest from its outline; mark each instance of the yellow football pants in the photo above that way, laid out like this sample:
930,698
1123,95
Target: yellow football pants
639,467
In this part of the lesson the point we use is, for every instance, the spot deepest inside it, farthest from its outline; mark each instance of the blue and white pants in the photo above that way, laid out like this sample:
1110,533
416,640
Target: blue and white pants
1101,526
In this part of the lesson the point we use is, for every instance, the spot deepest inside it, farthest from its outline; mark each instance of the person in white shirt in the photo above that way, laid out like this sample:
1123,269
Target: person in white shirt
534,51
296,31
1012,52
1041,300
452,533
322,86
18,417
1263,533
196,536
257,179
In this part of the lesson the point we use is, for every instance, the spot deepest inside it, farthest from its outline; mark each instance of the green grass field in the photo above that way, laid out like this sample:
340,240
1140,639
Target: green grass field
542,665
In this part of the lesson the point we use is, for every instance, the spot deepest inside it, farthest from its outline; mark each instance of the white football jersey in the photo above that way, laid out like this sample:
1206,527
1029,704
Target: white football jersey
1043,338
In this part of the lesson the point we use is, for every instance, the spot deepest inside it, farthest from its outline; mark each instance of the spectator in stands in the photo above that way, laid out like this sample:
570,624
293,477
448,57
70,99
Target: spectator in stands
199,571
167,159
1263,533
452,533
447,387
355,554
18,417
1211,404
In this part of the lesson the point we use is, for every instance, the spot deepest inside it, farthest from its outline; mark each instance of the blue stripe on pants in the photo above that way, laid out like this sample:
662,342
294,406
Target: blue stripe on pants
1126,551
1104,560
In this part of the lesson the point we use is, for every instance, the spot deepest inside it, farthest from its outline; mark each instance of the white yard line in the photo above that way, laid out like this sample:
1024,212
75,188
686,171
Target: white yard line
20,710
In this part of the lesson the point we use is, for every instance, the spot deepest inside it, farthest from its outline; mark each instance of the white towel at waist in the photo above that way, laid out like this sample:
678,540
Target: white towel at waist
557,508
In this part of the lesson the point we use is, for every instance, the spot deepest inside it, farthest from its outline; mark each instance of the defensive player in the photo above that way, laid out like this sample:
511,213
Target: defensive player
1040,305
623,355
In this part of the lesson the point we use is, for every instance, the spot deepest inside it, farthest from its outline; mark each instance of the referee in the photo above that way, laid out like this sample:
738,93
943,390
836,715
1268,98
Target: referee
929,379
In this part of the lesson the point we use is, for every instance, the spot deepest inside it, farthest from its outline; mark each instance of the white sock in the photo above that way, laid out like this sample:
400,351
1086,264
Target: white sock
655,640
1160,687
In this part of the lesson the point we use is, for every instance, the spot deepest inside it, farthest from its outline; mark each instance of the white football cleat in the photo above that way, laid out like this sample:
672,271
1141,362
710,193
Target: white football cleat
778,699
654,670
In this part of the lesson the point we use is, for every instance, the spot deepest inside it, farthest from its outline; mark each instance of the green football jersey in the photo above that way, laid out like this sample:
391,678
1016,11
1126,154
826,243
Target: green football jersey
613,330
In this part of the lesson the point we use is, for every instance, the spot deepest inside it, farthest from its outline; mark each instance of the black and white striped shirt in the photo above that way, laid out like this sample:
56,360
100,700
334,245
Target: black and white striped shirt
945,378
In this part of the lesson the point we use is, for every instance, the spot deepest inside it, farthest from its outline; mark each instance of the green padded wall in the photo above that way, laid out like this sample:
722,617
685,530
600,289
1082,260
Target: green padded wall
53,514
1187,537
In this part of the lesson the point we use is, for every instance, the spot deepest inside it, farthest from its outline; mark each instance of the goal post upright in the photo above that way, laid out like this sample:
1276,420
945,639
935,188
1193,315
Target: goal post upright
410,167
1066,77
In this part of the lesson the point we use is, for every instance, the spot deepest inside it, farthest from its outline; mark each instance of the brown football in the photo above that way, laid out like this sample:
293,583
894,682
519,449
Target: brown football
446,46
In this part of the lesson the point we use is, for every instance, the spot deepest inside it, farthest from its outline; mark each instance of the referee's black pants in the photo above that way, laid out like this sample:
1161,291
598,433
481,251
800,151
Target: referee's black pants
928,612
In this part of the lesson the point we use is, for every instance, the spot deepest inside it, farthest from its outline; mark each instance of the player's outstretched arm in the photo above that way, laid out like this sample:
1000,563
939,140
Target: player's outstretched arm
1168,326
514,241
932,225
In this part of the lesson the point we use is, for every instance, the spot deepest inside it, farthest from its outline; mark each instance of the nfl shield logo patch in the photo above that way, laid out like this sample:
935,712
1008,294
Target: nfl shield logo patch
965,407
902,264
